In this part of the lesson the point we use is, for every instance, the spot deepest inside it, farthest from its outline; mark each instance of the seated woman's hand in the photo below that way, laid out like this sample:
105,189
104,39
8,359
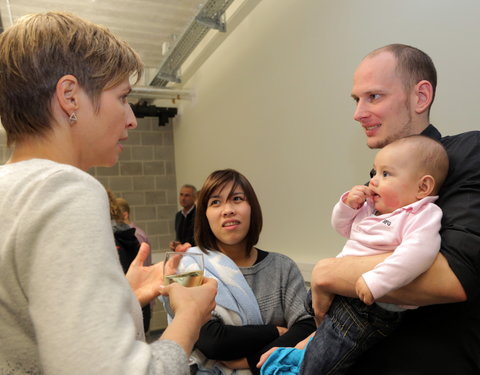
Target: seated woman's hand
265,356
302,344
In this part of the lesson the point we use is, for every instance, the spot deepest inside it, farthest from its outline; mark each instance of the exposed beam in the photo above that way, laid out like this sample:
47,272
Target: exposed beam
209,16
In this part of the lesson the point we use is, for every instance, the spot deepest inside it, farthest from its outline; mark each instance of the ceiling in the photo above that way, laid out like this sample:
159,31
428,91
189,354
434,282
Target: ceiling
151,27
163,32
145,24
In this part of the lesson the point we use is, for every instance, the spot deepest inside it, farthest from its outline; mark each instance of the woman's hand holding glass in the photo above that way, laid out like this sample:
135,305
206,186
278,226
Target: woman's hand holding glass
200,299
192,307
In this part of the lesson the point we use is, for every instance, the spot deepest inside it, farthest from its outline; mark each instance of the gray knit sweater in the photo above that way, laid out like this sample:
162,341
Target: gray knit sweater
279,289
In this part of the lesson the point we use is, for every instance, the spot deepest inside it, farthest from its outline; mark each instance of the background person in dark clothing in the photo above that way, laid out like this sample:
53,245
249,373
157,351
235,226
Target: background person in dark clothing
127,246
141,237
185,218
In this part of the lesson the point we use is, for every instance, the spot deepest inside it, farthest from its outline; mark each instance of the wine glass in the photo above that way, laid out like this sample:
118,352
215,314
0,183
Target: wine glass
183,268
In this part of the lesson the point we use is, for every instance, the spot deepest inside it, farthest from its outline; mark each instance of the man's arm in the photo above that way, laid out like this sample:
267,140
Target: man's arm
437,285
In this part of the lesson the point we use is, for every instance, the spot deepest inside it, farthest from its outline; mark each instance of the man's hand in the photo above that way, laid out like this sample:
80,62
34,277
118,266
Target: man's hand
179,247
437,285
145,281
363,291
321,302
173,245
265,356
182,247
357,196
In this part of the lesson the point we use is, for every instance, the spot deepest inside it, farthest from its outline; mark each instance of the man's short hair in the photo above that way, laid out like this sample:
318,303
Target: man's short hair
194,189
413,65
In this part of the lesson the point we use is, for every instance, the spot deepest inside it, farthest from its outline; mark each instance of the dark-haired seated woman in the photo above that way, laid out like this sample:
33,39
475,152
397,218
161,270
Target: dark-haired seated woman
260,294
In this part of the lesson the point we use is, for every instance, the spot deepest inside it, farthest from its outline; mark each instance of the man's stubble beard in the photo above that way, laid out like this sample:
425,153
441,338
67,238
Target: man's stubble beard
403,131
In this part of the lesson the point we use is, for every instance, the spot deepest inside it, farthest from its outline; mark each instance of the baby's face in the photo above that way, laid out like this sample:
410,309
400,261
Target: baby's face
396,180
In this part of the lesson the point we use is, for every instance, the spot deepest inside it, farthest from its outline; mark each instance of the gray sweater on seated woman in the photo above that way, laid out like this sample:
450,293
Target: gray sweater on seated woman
280,291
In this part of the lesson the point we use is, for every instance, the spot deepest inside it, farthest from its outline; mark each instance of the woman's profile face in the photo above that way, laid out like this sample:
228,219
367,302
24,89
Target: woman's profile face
100,134
228,214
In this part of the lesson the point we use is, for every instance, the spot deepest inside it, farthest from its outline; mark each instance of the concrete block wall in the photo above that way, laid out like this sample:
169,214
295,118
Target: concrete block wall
145,177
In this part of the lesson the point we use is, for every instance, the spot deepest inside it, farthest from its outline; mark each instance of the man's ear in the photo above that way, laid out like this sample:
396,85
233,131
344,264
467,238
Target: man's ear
423,96
66,93
426,184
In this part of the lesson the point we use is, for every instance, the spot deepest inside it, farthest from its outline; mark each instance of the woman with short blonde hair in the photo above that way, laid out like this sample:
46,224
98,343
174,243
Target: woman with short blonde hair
65,304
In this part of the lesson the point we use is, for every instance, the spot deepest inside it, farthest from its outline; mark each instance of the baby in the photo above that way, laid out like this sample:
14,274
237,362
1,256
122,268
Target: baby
395,213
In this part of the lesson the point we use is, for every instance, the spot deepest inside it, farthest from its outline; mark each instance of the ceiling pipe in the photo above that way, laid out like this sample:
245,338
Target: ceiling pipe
211,15
145,92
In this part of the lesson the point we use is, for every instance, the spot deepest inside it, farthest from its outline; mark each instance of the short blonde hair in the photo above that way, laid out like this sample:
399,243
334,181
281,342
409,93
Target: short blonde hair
38,50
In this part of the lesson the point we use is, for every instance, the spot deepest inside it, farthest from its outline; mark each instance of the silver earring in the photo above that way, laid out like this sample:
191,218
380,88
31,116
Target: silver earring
73,118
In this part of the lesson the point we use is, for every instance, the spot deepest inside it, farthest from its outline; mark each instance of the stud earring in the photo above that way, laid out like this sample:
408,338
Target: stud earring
73,118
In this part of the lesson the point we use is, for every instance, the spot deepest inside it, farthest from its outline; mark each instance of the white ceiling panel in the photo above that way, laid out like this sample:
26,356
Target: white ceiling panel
145,24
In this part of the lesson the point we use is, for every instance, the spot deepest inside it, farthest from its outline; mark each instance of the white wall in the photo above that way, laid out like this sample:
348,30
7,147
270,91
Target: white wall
273,101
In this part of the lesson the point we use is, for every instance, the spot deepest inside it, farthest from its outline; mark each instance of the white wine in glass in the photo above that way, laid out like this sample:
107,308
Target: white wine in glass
183,268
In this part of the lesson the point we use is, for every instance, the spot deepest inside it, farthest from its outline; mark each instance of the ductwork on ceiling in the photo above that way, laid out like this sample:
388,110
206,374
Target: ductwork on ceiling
210,16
